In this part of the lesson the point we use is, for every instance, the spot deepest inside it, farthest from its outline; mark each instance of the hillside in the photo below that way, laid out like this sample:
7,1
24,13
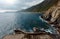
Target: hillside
42,6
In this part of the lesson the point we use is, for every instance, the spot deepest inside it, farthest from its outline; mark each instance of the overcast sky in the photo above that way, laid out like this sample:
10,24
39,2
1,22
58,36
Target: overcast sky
17,4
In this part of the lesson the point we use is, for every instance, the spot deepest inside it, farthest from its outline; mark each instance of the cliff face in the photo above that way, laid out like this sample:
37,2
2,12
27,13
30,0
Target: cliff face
54,12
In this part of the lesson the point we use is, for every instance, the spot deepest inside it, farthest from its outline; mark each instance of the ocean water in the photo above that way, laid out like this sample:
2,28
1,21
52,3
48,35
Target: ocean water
24,21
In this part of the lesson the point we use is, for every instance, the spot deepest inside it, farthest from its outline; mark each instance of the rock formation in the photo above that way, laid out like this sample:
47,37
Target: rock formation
53,12
53,15
30,36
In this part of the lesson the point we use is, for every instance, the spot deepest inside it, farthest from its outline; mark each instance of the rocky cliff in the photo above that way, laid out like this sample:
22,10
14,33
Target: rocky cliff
53,12
53,15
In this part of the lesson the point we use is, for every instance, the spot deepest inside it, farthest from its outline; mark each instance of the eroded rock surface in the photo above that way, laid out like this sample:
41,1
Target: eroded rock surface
53,12
24,36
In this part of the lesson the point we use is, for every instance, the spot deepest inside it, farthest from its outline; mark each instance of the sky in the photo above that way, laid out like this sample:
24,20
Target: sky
17,4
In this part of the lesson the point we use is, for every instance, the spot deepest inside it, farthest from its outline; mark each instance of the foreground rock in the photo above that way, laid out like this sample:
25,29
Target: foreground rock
21,36
16,36
40,35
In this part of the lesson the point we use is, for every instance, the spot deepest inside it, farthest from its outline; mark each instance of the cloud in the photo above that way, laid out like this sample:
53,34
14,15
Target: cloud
26,4
7,10
24,7
20,4
33,2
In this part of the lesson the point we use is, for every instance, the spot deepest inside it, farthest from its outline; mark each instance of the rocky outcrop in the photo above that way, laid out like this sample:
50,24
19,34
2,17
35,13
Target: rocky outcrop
53,15
53,12
30,36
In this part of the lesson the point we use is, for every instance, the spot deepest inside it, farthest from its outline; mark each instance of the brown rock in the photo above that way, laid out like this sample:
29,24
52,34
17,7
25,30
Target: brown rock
53,13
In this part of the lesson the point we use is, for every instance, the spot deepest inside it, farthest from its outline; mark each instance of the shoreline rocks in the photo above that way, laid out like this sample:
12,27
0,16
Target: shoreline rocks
30,36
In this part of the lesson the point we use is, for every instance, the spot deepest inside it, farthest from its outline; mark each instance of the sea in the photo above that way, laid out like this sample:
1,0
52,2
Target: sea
24,21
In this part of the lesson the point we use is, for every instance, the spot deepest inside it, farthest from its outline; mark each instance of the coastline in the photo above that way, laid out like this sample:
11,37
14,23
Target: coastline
41,35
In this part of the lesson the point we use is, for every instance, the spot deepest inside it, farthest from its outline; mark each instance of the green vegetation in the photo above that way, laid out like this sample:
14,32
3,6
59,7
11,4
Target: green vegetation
45,5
